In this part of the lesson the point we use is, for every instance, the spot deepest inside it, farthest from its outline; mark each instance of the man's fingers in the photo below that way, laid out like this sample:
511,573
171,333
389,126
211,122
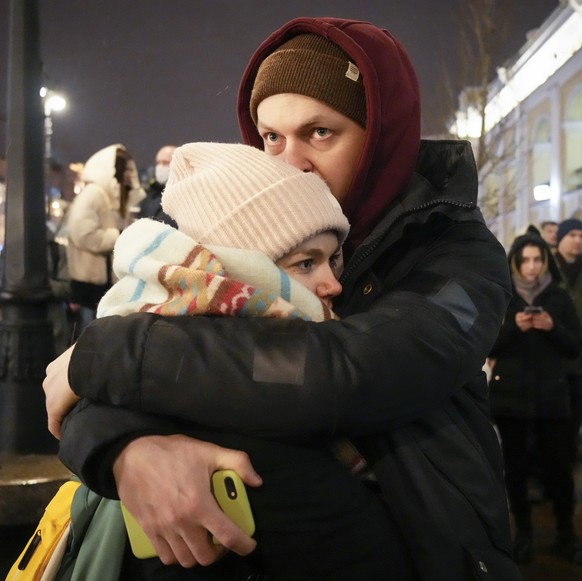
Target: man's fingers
173,550
229,535
239,462
187,546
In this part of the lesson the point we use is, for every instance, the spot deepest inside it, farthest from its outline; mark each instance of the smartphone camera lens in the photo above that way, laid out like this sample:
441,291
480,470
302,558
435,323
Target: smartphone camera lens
230,487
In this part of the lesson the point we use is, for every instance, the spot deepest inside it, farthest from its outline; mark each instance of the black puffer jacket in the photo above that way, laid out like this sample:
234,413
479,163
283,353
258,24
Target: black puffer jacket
528,379
430,285
425,289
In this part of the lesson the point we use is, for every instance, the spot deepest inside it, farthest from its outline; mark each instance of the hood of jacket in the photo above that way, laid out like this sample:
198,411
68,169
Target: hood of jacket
392,139
100,169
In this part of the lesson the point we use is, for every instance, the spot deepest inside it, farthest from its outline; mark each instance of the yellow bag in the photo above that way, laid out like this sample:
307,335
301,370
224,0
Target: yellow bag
48,541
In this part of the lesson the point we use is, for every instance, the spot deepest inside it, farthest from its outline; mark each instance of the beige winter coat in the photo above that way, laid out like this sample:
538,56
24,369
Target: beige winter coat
94,220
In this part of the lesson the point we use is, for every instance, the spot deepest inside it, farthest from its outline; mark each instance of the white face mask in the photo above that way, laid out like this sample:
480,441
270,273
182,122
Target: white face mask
162,173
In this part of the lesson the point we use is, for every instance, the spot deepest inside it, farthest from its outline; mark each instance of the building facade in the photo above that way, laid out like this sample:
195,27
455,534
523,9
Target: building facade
533,129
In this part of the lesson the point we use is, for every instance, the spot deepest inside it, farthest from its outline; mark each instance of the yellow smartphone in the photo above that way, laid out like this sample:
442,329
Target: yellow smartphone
140,544
230,494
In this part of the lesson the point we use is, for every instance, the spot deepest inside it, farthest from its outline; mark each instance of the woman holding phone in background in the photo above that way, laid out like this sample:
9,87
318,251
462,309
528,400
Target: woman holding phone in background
529,392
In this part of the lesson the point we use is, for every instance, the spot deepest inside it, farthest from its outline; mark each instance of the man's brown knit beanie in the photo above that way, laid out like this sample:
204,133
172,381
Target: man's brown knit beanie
313,66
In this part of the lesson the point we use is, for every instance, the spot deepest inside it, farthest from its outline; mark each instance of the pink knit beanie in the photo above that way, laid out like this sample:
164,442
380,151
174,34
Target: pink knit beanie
237,196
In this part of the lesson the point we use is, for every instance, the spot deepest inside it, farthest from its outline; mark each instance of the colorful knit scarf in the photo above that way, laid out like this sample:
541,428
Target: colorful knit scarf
163,271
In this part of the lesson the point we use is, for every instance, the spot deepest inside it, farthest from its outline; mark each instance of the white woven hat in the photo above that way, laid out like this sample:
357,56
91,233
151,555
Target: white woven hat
237,196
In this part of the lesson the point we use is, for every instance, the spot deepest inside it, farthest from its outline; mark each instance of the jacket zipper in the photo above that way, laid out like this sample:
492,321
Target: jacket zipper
374,244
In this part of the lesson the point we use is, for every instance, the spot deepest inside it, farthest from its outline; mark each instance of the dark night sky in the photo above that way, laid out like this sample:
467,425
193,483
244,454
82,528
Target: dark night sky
150,72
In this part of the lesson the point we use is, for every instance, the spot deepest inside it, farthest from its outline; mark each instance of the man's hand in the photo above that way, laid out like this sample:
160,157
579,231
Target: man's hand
60,398
164,481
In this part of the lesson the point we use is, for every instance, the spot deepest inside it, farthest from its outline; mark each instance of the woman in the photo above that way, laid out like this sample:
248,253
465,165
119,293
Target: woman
529,393
96,218
256,238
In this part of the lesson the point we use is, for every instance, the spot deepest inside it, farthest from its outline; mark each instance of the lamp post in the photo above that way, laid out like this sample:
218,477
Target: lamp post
26,336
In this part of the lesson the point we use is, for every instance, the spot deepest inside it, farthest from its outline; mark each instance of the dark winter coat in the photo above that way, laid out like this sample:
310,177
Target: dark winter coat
424,297
528,379
151,205
574,367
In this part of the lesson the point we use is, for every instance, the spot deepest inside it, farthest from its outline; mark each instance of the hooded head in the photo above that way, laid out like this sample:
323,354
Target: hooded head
391,116
236,196
103,166
532,237
114,170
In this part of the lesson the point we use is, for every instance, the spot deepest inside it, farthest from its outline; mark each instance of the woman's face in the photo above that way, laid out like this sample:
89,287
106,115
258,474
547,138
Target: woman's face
316,263
532,263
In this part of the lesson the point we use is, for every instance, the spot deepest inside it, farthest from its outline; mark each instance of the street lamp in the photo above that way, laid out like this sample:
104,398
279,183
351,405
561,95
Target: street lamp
52,102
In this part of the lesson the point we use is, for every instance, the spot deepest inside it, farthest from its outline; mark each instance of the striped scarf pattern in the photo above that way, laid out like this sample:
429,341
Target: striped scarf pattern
163,271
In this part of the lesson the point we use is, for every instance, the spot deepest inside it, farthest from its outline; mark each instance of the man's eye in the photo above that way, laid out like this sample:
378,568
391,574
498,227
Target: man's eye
321,132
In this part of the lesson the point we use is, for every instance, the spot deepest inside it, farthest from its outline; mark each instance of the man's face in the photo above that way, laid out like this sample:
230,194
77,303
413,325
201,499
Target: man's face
571,245
313,137
164,156
549,233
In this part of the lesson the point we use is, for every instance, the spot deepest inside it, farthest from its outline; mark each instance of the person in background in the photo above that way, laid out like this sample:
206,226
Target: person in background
426,286
529,391
569,259
151,205
549,231
96,217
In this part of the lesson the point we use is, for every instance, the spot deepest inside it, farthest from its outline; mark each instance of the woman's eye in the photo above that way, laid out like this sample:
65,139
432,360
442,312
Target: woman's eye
271,137
336,260
305,264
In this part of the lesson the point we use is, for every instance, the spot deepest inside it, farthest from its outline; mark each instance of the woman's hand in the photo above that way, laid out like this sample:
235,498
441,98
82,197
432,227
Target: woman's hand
60,398
524,321
542,321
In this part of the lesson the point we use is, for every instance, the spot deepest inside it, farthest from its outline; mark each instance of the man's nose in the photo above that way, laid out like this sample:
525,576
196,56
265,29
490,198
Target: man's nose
295,155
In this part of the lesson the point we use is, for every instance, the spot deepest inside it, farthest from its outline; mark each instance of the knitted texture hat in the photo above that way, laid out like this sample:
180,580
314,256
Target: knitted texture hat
313,66
566,226
238,196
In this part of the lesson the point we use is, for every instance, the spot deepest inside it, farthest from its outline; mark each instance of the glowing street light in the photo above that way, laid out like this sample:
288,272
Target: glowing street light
52,101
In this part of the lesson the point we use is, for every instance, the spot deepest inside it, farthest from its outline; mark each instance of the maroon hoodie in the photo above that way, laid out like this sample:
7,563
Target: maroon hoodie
392,112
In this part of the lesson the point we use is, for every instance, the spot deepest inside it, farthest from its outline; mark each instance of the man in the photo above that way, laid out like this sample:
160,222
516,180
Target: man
151,206
425,289
549,230
569,259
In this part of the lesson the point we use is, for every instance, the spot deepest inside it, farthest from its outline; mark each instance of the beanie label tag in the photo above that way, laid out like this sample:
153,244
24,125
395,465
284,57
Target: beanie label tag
353,72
